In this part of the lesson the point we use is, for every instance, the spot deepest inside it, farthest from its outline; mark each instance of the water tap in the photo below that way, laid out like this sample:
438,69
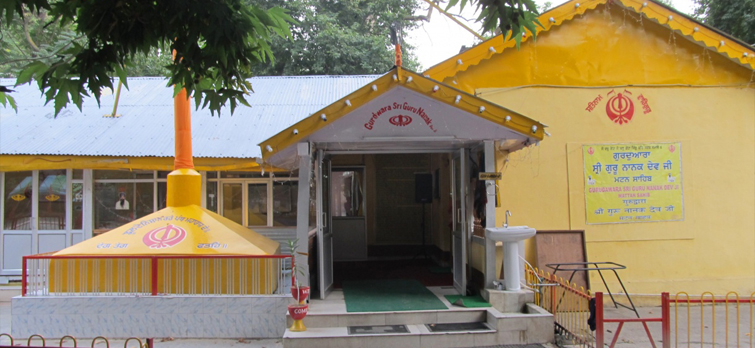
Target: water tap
506,223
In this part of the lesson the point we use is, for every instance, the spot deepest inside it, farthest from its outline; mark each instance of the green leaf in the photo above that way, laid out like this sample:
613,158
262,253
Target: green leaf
6,99
29,71
61,99
452,3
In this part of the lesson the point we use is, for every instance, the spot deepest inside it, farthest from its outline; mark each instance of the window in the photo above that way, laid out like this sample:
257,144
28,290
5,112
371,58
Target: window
48,189
285,195
251,199
233,202
122,196
347,197
52,200
257,204
18,196
212,195
78,205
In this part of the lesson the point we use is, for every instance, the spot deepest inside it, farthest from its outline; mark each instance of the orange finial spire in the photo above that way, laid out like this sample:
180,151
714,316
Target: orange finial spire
182,124
398,54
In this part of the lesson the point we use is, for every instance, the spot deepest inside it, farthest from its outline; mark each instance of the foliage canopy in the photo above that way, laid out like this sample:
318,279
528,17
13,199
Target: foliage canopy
736,17
339,37
217,42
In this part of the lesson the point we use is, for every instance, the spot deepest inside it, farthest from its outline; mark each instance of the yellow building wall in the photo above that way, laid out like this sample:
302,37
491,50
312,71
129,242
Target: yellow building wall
711,249
697,97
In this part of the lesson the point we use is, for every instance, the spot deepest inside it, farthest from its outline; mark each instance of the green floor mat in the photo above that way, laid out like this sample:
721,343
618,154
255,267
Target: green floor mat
467,301
440,270
389,295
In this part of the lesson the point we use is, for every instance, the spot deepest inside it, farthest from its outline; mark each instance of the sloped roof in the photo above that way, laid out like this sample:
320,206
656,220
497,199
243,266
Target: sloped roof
163,233
722,43
506,124
145,127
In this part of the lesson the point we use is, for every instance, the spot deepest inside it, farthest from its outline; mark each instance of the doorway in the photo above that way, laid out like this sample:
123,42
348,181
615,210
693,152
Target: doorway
376,223
347,214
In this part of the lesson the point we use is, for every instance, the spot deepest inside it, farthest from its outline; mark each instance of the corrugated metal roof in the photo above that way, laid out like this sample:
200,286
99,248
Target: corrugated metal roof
145,127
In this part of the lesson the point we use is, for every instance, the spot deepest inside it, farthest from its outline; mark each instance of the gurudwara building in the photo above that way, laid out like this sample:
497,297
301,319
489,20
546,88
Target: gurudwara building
625,134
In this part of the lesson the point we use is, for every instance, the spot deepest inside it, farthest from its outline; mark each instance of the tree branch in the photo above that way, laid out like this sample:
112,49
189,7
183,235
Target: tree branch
422,18
29,40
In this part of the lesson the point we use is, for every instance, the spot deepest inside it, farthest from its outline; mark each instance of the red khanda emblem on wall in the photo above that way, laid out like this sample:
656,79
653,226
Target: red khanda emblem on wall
400,120
164,237
620,108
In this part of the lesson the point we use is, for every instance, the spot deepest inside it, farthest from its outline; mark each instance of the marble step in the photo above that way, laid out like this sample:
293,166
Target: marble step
340,319
418,336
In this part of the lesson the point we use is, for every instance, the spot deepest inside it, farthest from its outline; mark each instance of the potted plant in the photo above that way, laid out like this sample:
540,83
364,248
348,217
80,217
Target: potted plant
300,293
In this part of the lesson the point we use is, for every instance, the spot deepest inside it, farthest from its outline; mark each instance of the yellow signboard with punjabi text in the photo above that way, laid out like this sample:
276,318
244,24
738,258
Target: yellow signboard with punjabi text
639,182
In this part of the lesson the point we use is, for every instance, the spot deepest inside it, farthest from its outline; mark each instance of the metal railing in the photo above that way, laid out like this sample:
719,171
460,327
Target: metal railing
600,322
696,321
34,340
49,275
569,304
738,326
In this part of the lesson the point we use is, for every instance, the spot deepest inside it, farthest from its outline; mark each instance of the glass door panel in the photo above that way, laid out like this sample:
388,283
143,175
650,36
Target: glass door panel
257,204
233,202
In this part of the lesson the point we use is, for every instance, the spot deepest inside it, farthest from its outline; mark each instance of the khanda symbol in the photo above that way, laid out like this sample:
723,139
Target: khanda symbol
620,108
164,237
400,120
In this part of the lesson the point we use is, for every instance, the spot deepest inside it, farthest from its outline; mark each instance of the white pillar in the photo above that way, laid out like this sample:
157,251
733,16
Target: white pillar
302,211
87,205
490,220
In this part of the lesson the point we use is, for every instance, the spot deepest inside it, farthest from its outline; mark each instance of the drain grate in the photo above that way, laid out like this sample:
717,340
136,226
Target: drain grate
450,327
378,330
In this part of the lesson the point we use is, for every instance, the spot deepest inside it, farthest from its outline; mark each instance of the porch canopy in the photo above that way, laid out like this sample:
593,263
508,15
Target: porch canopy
403,111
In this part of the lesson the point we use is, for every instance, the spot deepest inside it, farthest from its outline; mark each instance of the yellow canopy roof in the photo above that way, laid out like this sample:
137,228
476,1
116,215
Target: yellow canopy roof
187,230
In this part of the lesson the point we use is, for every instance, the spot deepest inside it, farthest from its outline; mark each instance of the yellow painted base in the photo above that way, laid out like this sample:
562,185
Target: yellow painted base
184,188
298,326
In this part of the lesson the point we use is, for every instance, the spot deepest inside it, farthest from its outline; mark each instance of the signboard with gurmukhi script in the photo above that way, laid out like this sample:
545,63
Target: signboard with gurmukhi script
639,182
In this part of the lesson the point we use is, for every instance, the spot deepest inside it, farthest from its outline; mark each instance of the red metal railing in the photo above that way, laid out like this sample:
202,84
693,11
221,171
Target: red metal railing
48,275
600,321
703,335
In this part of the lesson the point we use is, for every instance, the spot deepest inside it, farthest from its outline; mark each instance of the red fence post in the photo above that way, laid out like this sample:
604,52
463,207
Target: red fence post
23,277
154,276
665,320
599,332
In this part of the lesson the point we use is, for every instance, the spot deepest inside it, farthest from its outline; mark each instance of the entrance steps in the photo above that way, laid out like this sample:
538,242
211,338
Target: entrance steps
328,326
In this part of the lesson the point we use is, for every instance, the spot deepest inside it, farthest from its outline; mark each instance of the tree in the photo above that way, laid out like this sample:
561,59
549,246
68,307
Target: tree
216,43
736,17
340,37
35,35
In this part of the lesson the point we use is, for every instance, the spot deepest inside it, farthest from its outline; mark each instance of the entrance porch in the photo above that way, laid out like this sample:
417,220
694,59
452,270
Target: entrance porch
396,165
329,324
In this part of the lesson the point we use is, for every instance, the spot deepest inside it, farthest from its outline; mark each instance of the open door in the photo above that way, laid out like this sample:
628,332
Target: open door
458,206
324,232
347,211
